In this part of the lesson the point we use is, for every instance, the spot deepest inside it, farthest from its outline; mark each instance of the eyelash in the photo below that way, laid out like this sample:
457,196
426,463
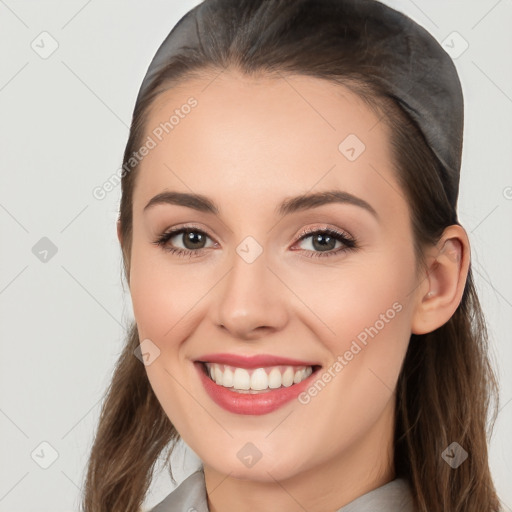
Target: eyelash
350,243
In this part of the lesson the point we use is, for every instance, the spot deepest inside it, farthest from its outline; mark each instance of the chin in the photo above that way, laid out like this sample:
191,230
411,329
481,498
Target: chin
261,471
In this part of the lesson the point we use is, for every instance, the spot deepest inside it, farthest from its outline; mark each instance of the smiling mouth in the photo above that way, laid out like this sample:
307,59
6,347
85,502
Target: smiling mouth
256,380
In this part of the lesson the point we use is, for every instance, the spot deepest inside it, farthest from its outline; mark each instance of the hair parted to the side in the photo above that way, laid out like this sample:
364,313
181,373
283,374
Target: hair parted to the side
446,391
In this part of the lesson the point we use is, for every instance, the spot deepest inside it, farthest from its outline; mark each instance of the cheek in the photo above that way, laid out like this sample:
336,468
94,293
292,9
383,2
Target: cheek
347,299
341,302
161,294
163,298
368,318
365,317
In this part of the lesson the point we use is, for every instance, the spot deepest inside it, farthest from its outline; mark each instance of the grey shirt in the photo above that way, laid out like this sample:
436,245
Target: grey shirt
190,496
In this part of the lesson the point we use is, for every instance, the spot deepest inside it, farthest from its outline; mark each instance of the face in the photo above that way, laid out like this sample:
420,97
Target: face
323,285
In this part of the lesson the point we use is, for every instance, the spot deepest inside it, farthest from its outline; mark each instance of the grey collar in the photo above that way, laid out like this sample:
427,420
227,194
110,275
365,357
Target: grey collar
395,496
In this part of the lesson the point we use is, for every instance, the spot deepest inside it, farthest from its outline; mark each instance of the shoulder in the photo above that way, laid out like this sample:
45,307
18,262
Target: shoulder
189,495
395,496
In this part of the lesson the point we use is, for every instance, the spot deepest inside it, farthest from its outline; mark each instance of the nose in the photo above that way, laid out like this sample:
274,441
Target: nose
251,301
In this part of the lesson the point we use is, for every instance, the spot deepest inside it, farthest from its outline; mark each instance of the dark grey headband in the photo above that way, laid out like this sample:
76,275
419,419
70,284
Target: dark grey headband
419,73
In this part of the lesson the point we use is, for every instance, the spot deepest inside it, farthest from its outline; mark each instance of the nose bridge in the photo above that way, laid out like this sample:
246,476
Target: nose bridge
251,296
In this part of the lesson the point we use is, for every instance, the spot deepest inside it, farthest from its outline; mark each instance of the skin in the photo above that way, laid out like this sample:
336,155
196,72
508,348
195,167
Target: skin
249,144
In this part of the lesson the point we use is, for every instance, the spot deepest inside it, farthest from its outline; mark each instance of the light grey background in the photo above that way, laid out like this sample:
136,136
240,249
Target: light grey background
63,126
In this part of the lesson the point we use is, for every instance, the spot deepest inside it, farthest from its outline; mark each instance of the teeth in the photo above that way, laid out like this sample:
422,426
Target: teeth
274,378
218,377
259,379
241,379
228,378
288,376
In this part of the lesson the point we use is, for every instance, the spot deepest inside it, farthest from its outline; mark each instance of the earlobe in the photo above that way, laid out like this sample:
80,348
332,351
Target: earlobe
441,293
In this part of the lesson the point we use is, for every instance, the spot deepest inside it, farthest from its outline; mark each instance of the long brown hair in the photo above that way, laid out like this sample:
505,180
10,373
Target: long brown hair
446,387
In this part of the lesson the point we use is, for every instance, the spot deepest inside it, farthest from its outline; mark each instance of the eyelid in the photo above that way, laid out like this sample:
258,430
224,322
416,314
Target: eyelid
347,240
192,227
175,231
323,227
306,231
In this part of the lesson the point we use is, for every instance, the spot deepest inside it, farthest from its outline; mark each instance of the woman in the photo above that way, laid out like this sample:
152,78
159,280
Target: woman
305,313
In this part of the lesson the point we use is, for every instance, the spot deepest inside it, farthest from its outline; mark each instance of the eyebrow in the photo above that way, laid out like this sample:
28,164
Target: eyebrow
290,205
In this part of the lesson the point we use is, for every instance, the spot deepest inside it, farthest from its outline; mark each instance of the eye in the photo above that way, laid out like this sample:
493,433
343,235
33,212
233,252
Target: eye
322,244
192,238
325,241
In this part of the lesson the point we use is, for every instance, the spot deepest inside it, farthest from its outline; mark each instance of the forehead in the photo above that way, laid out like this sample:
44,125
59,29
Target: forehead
250,140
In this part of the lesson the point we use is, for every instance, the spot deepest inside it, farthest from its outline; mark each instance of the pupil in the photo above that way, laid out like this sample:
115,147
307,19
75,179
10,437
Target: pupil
193,237
329,244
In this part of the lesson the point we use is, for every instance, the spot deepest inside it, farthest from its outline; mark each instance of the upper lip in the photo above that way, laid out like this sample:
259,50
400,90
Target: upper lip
254,361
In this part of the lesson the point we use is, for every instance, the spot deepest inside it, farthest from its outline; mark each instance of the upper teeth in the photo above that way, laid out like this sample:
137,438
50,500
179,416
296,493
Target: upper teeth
257,379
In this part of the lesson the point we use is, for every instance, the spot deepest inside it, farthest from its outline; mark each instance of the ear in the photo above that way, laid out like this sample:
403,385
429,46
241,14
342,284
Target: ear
440,292
119,235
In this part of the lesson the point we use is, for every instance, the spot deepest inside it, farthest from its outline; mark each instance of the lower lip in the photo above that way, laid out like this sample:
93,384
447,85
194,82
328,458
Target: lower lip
246,403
